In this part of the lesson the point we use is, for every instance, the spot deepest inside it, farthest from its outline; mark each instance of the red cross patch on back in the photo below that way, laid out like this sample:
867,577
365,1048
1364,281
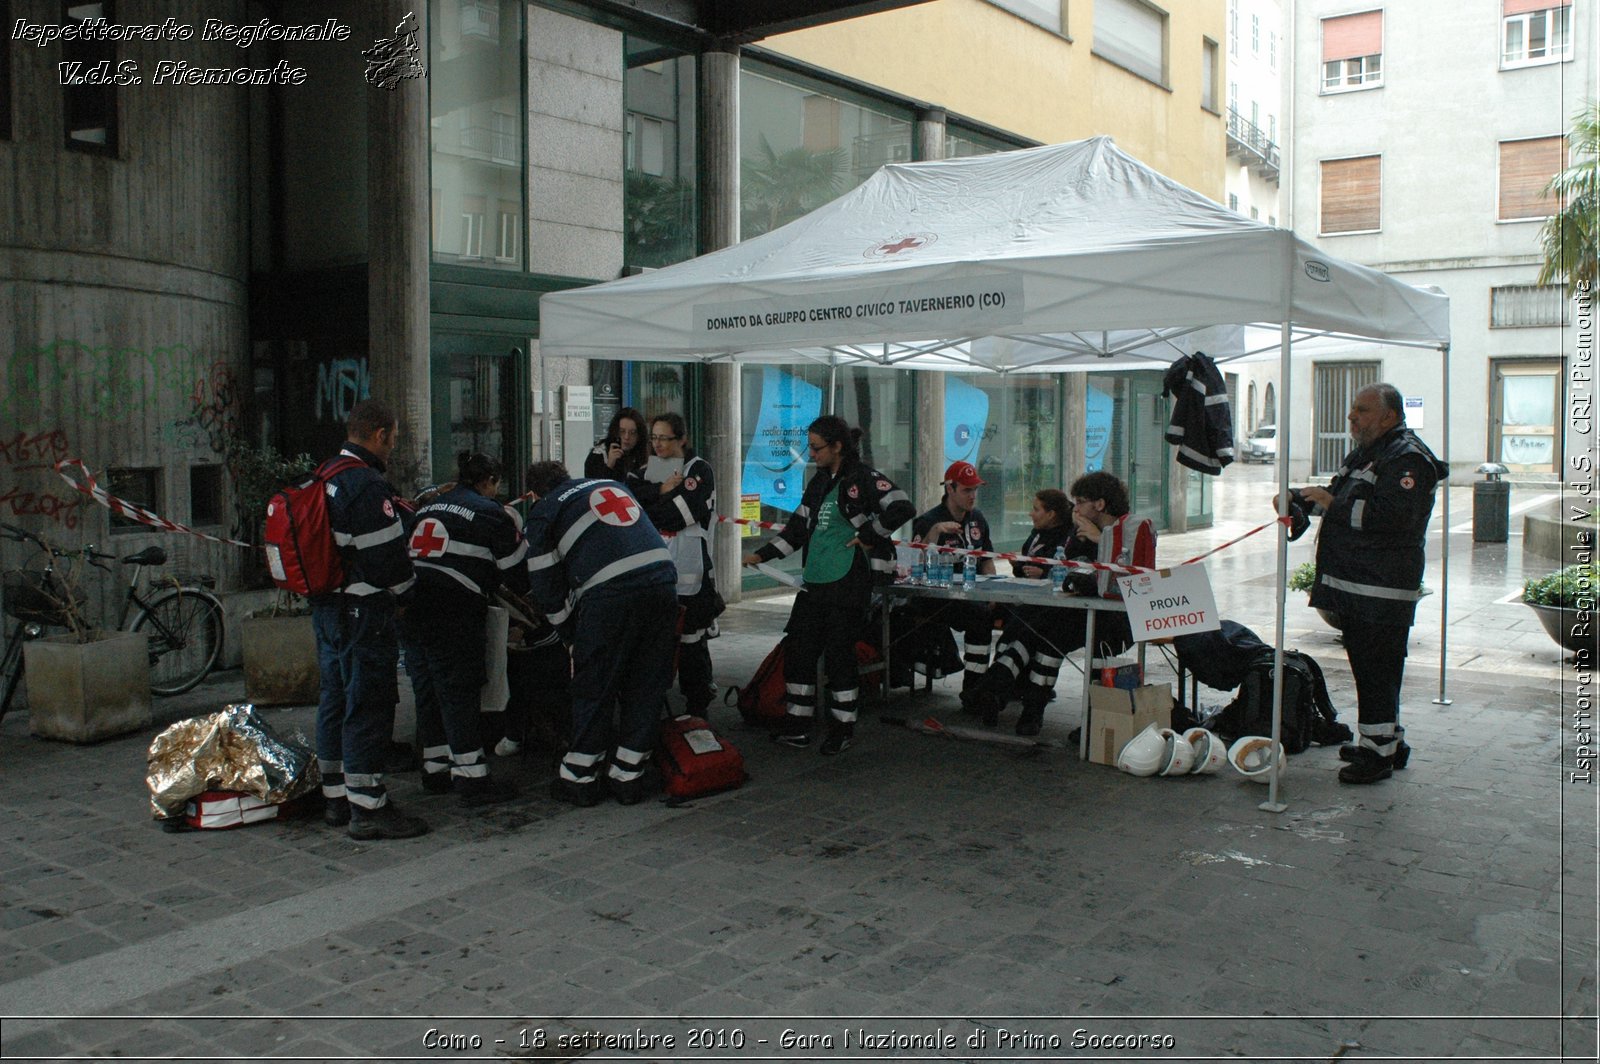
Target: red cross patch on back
430,539
614,507
1407,481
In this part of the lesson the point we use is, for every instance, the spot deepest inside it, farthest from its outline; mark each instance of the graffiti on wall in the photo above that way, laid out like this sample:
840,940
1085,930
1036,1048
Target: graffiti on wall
213,418
341,384
32,453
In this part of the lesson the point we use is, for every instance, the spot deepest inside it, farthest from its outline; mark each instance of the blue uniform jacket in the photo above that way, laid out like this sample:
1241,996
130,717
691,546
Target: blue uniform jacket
1370,546
465,542
369,522
586,533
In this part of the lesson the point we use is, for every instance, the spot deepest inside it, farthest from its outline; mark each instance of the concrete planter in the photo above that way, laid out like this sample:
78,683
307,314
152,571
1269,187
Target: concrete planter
280,661
83,692
1563,625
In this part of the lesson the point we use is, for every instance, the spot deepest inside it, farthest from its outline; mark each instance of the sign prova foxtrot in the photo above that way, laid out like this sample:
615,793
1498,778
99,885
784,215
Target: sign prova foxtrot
1170,602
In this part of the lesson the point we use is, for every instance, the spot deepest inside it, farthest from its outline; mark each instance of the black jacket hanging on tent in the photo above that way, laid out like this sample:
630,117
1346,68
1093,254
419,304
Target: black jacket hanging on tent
1202,420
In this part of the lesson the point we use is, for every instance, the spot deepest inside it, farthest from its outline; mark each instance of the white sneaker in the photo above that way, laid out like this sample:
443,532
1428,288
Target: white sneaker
507,747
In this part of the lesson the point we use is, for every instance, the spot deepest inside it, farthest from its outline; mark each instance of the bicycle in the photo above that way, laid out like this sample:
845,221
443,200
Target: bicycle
184,623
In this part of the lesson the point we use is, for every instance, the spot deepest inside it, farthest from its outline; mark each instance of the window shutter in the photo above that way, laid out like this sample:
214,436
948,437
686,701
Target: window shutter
1132,34
1526,166
1351,194
1352,36
1522,7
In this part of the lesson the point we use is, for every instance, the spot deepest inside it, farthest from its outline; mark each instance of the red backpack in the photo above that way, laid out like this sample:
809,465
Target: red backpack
301,554
764,700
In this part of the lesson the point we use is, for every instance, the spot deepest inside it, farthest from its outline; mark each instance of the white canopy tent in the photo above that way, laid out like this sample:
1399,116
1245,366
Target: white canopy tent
1067,257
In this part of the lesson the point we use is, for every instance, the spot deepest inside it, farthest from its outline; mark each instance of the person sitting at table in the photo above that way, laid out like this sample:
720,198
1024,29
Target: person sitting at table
1037,641
955,522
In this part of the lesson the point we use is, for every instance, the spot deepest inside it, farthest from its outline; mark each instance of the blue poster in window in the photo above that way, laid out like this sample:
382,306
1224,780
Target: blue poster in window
1097,420
775,463
966,420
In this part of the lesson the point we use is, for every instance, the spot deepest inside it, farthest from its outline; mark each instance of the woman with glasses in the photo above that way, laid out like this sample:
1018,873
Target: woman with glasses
683,508
621,451
463,545
844,530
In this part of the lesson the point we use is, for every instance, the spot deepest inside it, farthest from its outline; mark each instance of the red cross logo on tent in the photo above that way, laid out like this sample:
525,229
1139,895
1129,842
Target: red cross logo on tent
614,507
430,539
905,243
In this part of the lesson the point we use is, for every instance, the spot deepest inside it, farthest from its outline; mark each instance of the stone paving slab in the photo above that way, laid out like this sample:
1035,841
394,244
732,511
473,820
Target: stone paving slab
912,883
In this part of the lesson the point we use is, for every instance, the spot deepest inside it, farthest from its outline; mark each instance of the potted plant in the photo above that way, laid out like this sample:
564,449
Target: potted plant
1304,578
280,654
1561,600
88,684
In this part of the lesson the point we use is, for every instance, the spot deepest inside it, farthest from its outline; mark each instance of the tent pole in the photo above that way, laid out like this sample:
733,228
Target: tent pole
1444,541
833,377
1274,804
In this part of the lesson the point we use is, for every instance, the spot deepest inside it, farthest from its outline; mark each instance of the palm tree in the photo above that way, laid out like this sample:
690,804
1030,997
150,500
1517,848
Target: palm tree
1568,239
778,187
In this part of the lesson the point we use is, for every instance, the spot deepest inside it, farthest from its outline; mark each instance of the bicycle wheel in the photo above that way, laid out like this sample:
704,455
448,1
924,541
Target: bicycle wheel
185,630
10,671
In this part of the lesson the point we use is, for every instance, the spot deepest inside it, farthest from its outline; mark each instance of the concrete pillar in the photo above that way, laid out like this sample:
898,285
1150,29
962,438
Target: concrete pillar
1074,427
930,133
721,436
928,448
397,227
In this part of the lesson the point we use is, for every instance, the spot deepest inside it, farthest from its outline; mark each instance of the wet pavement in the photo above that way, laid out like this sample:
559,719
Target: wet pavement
915,897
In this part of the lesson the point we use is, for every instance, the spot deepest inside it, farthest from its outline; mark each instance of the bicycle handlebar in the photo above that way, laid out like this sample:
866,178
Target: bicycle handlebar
88,553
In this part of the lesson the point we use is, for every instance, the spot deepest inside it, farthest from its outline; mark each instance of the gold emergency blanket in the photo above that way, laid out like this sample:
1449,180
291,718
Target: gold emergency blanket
234,750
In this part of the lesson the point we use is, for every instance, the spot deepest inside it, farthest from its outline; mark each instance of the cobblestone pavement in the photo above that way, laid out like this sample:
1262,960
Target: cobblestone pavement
915,897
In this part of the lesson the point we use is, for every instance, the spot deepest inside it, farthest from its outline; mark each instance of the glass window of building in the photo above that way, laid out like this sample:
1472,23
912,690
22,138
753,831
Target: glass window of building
475,94
779,402
89,104
1133,35
802,146
1010,428
658,155
1046,13
961,141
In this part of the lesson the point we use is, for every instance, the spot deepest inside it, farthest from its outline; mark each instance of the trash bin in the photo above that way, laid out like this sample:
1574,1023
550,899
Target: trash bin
1491,505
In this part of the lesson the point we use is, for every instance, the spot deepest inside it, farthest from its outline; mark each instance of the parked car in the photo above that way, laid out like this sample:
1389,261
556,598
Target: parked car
1262,446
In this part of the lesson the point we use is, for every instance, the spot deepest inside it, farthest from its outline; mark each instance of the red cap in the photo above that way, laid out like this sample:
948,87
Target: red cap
962,473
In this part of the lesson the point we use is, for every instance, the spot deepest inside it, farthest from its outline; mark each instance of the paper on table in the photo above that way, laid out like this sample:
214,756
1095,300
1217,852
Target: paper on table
658,469
793,580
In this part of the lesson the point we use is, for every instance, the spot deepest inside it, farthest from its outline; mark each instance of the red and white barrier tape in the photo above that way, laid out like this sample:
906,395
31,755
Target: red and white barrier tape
134,512
123,507
1013,556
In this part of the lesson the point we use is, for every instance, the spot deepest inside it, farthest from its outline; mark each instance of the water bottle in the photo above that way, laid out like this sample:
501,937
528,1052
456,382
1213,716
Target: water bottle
1058,572
919,569
941,565
958,577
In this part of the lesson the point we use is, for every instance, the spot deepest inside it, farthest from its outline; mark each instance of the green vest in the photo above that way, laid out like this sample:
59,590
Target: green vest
827,557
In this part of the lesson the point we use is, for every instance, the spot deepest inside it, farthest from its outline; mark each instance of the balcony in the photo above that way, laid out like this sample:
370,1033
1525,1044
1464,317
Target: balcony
1251,146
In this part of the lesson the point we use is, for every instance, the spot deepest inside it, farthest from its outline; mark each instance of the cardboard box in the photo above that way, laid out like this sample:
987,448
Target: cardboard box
1117,715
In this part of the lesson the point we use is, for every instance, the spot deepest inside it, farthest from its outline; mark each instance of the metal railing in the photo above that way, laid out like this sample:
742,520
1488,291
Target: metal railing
1247,141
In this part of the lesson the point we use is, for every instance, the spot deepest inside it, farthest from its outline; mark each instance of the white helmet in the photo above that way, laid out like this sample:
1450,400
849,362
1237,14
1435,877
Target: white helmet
1252,756
1181,760
1210,753
1145,753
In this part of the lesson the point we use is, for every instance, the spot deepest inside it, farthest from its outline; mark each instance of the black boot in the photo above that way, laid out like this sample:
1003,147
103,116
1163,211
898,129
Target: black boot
1367,767
793,730
1032,719
1402,753
840,738
384,822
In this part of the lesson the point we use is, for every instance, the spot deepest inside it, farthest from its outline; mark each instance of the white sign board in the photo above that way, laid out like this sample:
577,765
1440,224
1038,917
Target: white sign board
1413,404
1170,602
579,404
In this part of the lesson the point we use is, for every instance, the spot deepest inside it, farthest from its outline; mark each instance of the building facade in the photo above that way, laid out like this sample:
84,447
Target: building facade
248,260
1422,146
